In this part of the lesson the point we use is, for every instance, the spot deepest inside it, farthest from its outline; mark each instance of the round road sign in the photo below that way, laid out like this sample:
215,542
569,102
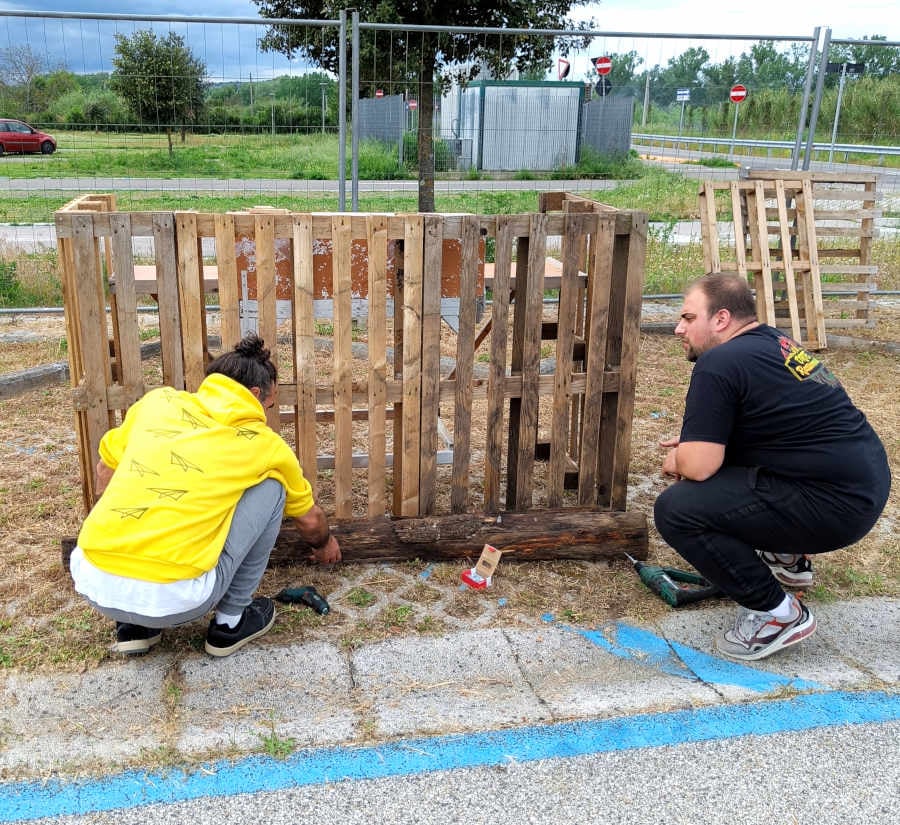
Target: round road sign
737,93
603,65
379,93
412,105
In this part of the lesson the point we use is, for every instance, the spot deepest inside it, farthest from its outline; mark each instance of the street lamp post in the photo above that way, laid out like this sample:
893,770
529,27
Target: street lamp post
324,86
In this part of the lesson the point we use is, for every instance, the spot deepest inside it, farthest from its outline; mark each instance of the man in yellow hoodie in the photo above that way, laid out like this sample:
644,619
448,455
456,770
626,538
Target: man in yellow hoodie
194,488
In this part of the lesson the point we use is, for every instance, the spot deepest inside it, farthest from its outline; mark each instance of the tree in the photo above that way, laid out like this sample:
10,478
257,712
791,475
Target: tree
425,59
20,68
682,72
159,78
623,77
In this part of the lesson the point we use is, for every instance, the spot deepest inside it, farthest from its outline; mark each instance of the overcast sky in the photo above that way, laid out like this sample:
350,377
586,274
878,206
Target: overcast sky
87,46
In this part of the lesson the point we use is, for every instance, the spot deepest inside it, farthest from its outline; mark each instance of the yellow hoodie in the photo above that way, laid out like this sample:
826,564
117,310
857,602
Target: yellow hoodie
182,461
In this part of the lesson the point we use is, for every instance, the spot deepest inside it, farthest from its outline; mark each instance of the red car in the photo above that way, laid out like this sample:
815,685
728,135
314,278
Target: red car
16,136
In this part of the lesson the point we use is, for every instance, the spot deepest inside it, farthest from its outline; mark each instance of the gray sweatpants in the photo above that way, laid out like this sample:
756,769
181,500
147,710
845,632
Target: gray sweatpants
245,556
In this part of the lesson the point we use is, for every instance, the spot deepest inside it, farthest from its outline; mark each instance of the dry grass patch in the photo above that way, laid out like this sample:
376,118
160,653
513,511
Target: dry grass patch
44,625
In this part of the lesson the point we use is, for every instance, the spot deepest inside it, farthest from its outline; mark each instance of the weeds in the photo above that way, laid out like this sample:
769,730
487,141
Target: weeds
276,746
360,597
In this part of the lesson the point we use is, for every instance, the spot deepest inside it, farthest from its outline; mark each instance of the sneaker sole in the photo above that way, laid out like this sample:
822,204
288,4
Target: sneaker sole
212,650
790,579
135,646
798,633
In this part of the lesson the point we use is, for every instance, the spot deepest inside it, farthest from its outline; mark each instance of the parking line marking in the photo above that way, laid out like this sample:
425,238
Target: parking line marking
676,659
29,800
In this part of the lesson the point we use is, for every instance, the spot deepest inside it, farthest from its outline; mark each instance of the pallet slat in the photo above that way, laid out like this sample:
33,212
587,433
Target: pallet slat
376,237
465,355
341,231
304,348
431,362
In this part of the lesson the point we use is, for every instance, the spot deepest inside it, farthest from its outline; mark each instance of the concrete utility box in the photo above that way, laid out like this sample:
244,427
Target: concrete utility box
521,124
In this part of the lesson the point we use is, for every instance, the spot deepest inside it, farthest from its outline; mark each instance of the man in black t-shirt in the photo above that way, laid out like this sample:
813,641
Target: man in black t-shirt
774,463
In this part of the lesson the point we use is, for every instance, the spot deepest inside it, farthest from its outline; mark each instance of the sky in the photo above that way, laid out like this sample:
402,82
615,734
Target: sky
85,46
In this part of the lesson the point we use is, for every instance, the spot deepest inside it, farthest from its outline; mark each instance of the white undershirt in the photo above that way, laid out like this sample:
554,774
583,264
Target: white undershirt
145,598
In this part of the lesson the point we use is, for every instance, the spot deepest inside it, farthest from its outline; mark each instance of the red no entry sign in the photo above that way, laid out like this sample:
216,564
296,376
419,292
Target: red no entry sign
412,104
603,65
737,93
379,93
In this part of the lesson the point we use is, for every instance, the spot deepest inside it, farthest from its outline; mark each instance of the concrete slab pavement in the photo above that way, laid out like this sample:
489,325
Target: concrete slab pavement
311,694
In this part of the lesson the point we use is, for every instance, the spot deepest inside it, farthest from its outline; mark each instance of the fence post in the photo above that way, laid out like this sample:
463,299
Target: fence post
354,116
817,101
342,114
804,105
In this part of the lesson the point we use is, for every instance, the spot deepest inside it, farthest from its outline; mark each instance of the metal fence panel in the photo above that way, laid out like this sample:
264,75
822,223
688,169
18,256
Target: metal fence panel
382,118
606,124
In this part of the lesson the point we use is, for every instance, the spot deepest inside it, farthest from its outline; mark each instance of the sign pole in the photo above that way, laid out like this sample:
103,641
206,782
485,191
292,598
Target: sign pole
837,111
737,95
734,130
680,126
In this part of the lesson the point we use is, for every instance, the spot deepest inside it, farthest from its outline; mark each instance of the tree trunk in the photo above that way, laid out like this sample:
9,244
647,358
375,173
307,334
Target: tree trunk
169,138
538,535
425,136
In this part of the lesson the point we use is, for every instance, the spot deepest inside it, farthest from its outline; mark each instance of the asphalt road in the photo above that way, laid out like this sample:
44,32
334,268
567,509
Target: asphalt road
835,776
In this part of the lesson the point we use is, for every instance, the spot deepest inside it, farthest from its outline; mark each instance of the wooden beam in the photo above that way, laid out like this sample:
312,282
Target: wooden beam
537,535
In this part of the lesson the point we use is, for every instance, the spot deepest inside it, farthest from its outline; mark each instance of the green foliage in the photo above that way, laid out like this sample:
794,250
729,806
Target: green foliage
379,161
593,164
360,597
10,288
276,746
158,77
96,108
429,58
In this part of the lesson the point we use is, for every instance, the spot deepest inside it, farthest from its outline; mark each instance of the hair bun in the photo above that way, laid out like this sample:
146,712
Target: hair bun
252,346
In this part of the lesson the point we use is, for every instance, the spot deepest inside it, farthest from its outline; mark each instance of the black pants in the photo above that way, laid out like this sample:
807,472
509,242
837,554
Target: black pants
718,524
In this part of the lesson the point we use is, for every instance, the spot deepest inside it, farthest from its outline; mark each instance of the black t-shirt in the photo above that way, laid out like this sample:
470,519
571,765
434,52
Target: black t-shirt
777,407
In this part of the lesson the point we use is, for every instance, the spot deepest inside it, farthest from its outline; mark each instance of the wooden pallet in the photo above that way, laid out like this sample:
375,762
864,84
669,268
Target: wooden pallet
398,405
845,208
773,245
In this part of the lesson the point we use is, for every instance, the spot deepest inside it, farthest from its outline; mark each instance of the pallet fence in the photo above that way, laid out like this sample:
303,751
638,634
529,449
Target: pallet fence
520,437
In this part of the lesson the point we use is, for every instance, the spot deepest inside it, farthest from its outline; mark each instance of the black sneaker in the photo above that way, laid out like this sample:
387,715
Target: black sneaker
133,638
256,620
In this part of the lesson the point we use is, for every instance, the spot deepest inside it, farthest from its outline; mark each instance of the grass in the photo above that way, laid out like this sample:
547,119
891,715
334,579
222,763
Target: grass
31,279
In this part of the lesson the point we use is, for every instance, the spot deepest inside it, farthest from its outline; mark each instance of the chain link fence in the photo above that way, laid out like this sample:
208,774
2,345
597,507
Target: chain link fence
282,111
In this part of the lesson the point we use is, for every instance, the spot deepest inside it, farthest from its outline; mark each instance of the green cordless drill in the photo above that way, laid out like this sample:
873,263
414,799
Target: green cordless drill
674,587
308,596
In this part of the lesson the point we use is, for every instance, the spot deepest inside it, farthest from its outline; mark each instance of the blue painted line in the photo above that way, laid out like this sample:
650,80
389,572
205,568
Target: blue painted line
676,659
28,800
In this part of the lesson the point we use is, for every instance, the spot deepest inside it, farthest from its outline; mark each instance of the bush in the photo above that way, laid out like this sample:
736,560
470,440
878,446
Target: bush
10,288
379,161
620,166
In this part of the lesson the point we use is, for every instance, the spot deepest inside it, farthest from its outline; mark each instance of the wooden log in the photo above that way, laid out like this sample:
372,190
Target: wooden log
581,533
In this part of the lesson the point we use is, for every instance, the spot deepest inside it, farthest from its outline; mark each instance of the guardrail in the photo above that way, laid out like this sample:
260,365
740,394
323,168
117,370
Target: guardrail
717,142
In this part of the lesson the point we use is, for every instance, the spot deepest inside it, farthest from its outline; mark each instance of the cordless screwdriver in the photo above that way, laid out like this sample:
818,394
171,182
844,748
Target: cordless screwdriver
674,587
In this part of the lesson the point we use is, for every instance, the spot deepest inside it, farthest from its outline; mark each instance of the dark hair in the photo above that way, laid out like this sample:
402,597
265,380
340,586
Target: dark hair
727,291
249,364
